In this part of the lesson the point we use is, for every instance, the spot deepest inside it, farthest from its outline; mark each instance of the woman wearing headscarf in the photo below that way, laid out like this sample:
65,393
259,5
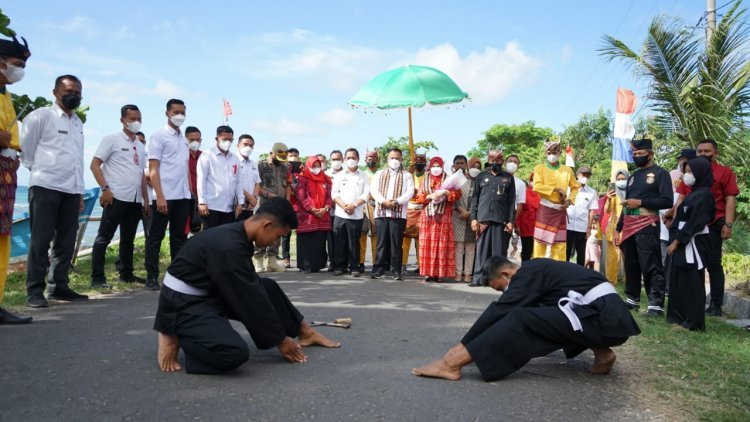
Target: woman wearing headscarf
526,219
436,249
689,248
313,193
464,237
608,223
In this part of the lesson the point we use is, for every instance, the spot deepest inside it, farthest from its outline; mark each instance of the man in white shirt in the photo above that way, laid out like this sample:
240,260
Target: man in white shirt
118,169
351,189
580,216
168,153
52,145
337,165
249,178
512,163
391,188
218,190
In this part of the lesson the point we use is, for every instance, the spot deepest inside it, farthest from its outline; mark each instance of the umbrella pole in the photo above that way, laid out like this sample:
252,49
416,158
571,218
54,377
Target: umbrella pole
411,140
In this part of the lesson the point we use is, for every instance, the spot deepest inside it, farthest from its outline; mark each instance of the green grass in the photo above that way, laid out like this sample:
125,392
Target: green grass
80,278
705,374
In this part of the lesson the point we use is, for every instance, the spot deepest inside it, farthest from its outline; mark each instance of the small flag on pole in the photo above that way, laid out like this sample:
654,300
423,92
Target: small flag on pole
569,161
227,109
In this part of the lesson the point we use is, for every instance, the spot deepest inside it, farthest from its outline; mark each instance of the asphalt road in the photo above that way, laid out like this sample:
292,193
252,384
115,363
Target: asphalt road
97,361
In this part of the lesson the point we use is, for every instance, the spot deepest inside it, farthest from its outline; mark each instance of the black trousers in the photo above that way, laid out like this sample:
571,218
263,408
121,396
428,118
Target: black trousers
490,242
527,247
285,246
124,215
244,215
311,248
389,252
53,216
202,327
346,233
330,248
642,257
713,266
509,343
687,297
177,218
196,222
576,242
217,218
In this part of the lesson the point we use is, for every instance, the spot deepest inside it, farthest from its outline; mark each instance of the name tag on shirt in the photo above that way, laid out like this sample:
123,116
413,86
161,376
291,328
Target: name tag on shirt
125,149
64,132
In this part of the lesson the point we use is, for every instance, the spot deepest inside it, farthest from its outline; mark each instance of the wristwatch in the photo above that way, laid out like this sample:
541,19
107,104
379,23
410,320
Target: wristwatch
728,224
106,188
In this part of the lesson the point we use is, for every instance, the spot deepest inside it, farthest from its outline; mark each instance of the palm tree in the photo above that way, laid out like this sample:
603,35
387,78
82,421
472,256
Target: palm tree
698,88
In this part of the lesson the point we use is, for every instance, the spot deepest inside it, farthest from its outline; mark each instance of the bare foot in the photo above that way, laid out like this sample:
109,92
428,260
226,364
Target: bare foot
604,359
438,369
308,336
167,355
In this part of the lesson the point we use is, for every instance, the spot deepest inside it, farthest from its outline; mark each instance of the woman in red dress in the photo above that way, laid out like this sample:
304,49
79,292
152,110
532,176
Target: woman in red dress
526,219
313,193
437,257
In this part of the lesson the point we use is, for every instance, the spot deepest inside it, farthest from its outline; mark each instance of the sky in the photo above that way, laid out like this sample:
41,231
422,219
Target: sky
289,68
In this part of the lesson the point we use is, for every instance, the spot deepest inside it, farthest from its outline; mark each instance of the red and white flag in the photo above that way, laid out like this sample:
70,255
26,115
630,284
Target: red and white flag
227,108
569,161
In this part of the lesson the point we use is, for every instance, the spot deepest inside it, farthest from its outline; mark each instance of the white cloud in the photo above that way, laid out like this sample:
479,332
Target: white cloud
87,27
336,117
487,76
118,93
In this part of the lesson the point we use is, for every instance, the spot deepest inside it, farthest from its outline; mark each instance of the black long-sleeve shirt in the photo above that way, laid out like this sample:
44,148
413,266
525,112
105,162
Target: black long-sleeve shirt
218,260
494,199
696,212
653,186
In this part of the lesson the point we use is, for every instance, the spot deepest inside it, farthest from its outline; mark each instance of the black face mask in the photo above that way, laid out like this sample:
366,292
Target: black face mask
641,161
707,157
296,166
419,167
372,164
496,167
71,101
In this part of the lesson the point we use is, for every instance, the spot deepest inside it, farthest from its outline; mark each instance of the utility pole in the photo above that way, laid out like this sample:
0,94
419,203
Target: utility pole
710,18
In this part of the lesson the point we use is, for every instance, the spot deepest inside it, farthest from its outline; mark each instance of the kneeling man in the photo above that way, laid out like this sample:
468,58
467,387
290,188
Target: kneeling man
546,305
211,281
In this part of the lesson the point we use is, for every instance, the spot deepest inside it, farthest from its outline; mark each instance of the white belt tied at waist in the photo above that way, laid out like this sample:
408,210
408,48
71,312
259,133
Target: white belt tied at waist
691,250
575,298
550,204
180,286
9,153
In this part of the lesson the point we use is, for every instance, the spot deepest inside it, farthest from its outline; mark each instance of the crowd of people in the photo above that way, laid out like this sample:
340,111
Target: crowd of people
652,227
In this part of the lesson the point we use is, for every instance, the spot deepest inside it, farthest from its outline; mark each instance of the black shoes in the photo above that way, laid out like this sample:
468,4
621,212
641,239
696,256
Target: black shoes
132,279
473,284
397,276
714,311
152,284
100,285
377,275
361,268
36,302
67,295
654,313
338,273
355,273
6,318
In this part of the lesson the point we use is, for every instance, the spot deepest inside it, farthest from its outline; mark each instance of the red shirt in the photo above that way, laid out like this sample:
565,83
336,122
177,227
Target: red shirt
526,219
725,184
193,168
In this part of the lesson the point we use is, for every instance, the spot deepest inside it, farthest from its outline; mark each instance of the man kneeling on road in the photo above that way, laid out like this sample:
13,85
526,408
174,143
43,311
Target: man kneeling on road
546,305
211,281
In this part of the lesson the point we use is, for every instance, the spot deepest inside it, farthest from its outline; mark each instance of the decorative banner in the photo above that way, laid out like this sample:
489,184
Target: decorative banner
227,109
569,161
624,130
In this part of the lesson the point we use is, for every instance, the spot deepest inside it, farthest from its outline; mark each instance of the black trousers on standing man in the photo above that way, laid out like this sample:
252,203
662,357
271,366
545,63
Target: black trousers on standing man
346,233
53,216
126,216
642,257
177,218
576,242
389,252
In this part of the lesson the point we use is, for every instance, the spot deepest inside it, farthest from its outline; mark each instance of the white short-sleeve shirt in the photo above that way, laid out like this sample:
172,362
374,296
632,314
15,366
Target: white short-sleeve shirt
578,213
520,191
217,180
350,187
170,148
122,165
248,178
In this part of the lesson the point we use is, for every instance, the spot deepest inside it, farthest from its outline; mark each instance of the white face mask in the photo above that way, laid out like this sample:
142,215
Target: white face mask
474,172
394,163
315,170
133,126
436,171
13,73
511,167
177,119
224,145
552,158
194,146
621,184
351,163
246,150
337,164
689,179
583,180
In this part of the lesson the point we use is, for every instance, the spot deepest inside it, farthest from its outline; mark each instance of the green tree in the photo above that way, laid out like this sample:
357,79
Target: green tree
591,140
698,89
402,143
525,140
24,105
5,25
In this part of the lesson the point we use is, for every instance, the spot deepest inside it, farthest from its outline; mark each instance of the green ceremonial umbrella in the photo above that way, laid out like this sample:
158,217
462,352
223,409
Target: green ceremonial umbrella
408,86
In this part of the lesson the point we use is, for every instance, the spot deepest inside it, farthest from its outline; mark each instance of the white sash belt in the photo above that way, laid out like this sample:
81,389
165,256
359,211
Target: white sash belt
550,204
180,286
575,298
9,153
691,250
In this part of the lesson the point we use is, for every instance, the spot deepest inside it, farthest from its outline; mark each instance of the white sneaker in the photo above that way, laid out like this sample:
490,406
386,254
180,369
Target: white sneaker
258,263
273,266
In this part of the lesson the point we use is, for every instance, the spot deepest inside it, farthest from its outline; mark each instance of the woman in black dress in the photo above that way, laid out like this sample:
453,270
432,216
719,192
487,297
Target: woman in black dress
689,248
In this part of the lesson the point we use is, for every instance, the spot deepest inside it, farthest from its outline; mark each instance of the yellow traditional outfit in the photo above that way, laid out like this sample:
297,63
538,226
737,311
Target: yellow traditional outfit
8,183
